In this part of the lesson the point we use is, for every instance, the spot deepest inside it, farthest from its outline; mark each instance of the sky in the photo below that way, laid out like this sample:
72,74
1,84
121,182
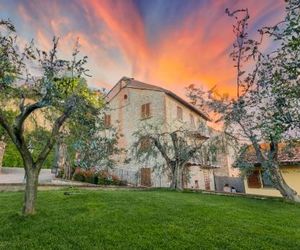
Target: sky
169,43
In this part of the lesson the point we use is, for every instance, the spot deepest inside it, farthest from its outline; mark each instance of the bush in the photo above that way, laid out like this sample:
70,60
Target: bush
105,178
90,176
60,173
78,175
101,178
82,175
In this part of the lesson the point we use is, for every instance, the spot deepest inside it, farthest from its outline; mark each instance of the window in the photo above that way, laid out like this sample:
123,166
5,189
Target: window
145,144
125,97
199,124
179,113
254,179
107,121
192,120
266,179
213,154
110,149
145,111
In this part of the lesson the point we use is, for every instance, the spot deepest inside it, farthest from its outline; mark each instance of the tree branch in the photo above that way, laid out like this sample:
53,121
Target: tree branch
160,148
53,137
4,123
26,111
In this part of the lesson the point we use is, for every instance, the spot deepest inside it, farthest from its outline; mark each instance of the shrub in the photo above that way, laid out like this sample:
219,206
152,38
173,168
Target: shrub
78,175
101,178
90,176
105,178
60,173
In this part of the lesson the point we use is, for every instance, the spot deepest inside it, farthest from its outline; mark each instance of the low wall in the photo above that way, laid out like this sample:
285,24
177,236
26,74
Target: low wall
236,182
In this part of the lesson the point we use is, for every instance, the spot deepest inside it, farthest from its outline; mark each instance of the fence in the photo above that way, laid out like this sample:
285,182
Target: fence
236,182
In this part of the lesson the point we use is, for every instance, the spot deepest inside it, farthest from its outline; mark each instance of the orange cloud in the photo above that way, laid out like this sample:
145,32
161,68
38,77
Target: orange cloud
191,53
125,26
43,40
194,50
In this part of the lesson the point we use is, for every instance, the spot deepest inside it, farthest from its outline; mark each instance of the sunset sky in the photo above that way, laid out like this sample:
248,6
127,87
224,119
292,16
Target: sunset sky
170,43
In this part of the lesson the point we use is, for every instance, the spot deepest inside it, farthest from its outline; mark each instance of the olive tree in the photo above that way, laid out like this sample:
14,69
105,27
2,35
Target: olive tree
37,82
173,149
266,109
86,143
4,138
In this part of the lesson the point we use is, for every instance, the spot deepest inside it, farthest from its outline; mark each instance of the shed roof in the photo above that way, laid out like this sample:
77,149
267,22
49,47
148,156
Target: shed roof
287,154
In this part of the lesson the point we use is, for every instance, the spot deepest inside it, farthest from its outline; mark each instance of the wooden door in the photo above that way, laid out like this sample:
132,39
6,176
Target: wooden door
146,177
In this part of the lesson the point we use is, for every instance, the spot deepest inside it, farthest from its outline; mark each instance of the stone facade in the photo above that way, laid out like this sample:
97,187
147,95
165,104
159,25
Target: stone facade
125,102
225,161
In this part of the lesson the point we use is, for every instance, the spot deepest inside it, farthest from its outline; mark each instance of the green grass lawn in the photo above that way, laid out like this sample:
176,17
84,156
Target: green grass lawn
148,220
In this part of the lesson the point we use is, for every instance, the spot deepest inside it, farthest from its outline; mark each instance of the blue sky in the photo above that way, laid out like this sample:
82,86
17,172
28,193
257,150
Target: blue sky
171,43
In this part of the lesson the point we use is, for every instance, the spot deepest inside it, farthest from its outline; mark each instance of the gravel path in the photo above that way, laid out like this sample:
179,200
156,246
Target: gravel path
16,175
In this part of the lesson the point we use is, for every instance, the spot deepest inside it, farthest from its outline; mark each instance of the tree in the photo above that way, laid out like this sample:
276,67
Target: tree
2,149
172,149
266,110
88,142
33,80
4,138
95,144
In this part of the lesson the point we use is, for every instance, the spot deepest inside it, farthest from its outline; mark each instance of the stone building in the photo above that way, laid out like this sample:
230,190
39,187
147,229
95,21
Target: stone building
132,102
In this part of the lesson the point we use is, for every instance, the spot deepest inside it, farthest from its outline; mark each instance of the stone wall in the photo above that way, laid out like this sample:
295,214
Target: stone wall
125,111
171,115
200,178
236,182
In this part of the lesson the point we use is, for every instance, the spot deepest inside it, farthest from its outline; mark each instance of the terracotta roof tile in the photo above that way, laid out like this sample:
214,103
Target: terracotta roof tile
286,154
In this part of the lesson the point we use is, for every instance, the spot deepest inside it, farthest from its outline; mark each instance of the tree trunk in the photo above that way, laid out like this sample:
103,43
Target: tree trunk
30,191
176,182
173,180
61,159
2,150
179,179
286,191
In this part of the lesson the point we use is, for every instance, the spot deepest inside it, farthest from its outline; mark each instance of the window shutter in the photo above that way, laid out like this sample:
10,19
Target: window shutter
147,109
143,111
145,144
179,113
254,180
192,120
107,120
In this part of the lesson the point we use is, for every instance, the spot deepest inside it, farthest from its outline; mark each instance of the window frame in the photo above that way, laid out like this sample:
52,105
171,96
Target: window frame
179,113
146,110
145,144
107,120
192,121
